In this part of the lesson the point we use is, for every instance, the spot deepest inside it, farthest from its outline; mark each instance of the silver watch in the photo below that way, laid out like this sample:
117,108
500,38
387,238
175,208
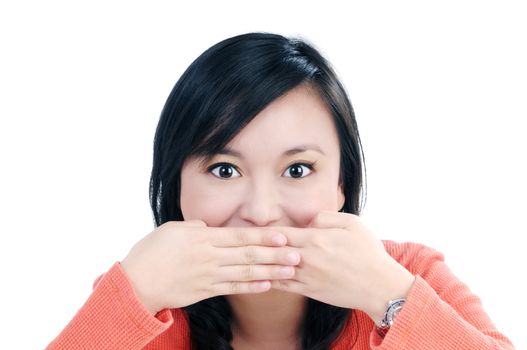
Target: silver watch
394,307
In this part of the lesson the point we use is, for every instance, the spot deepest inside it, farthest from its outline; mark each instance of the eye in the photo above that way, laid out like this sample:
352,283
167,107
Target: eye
298,170
223,170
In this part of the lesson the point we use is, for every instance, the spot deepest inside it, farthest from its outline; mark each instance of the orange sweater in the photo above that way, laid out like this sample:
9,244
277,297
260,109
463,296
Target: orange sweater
440,313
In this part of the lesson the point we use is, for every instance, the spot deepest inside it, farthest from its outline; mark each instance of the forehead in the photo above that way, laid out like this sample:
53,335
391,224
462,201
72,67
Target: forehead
298,117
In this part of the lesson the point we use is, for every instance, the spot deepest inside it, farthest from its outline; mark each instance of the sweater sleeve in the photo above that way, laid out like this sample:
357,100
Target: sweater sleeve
113,317
440,311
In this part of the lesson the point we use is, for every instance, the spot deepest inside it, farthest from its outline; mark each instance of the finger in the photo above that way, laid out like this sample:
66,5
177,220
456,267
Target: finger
229,288
188,223
251,255
299,237
244,236
329,219
296,237
244,273
290,285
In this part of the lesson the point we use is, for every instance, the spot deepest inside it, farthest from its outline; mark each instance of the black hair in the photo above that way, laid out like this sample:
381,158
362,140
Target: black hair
219,94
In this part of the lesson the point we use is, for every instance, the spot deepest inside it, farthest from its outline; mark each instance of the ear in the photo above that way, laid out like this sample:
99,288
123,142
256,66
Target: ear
341,198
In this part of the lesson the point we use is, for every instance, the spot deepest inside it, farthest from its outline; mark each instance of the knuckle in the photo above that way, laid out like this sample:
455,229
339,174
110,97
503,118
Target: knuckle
202,291
234,287
283,283
318,218
240,237
170,223
214,290
247,272
208,257
249,255
200,238
319,240
350,218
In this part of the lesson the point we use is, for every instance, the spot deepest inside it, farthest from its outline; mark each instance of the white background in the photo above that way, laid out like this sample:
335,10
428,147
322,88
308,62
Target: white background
439,90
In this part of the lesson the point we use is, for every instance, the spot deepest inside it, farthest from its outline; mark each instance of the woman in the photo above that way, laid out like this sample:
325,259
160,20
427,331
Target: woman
256,190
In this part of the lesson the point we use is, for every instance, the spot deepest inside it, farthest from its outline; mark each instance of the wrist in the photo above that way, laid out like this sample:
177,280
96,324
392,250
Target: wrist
146,301
397,284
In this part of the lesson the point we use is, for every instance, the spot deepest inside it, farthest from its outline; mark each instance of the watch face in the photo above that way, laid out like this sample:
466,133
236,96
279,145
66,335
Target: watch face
393,314
396,312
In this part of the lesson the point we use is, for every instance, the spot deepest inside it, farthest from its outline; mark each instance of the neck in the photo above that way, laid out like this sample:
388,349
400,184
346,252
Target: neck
271,317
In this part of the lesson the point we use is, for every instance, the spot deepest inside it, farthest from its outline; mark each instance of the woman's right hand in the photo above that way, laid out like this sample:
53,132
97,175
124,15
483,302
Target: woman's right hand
183,262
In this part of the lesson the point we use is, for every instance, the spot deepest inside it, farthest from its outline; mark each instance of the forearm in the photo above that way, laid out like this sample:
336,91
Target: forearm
440,311
427,322
112,318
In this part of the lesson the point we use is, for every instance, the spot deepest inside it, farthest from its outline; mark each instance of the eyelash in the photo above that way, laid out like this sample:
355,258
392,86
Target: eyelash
309,165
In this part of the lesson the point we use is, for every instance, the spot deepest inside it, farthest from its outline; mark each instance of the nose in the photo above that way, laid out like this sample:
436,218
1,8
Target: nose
261,206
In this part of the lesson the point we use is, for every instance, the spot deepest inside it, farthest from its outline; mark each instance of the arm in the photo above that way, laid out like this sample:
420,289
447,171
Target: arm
440,312
112,318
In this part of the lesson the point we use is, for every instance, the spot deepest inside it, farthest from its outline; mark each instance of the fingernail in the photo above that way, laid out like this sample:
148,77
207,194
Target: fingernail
279,239
293,257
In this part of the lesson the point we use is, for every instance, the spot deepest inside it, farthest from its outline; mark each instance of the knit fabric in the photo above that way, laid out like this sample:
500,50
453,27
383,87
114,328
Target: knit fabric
440,313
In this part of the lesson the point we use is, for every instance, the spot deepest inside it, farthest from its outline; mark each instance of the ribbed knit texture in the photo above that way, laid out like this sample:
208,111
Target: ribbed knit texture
440,313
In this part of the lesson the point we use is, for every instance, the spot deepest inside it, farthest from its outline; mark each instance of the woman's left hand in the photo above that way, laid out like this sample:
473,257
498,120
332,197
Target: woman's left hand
343,264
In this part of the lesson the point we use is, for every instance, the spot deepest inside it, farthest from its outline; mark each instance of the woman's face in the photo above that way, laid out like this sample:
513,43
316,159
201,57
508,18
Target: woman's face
280,170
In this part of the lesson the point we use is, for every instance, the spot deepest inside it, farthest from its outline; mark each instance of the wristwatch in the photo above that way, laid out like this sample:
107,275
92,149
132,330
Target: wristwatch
394,307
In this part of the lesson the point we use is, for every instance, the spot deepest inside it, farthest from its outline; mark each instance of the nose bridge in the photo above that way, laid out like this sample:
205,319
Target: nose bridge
261,204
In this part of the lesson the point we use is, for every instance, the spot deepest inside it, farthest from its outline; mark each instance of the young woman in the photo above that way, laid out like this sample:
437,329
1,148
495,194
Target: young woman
256,191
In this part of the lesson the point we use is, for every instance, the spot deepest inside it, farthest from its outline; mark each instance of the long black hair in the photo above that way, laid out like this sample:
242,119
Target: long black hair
219,94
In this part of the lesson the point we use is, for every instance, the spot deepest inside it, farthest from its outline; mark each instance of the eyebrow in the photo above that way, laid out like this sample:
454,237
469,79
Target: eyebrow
289,152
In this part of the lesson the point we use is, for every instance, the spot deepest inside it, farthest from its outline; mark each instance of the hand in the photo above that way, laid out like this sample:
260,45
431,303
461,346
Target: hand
344,264
183,262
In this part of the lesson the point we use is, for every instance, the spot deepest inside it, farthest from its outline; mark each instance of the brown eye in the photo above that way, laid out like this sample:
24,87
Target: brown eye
224,170
299,170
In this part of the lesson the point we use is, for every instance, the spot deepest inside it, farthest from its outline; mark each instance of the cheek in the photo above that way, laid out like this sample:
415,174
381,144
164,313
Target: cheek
303,204
198,201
